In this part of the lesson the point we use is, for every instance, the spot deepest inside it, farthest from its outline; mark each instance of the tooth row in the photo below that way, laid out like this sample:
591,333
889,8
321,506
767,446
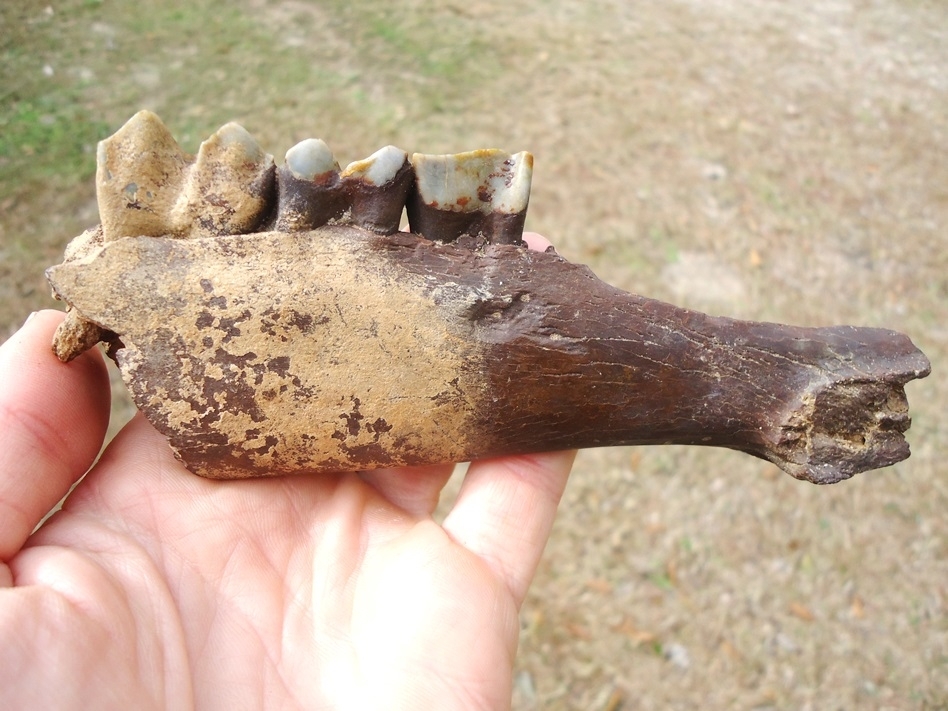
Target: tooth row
146,185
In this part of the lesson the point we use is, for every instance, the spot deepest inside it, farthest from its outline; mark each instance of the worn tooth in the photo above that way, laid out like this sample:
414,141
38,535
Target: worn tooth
229,187
309,193
377,188
139,174
480,193
311,160
379,168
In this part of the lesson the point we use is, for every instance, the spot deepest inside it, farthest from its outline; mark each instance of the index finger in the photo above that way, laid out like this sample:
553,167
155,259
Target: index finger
53,420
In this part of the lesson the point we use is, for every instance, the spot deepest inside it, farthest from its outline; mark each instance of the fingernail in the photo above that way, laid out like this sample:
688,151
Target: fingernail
29,318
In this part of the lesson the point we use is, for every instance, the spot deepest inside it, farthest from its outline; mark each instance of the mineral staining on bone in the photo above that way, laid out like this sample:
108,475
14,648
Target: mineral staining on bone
248,366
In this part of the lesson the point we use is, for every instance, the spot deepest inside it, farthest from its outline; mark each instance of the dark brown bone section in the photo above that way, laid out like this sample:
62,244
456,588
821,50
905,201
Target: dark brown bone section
577,363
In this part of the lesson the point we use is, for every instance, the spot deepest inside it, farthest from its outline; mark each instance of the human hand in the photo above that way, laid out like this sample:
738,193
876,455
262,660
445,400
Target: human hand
154,588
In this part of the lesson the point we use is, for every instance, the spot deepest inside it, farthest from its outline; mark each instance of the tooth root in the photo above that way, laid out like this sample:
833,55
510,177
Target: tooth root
229,187
309,193
481,193
139,174
377,188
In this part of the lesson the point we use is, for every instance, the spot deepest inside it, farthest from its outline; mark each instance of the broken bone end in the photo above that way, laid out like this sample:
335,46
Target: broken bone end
846,426
75,335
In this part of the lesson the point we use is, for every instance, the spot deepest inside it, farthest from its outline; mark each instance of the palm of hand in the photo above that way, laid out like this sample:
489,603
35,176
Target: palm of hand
154,588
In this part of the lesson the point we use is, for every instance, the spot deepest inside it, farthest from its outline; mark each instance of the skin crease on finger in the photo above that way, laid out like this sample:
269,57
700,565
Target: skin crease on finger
170,591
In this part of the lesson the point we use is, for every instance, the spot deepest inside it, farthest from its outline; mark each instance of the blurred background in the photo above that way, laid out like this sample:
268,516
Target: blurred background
758,159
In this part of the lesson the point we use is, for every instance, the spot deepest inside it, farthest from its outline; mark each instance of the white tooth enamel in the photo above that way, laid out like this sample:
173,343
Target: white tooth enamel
230,167
512,185
486,180
139,173
310,158
233,134
379,168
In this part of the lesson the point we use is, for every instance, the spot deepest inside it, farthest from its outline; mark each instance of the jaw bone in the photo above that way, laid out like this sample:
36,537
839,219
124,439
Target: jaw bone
347,345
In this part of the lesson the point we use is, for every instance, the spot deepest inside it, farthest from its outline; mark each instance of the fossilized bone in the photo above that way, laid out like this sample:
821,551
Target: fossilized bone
274,320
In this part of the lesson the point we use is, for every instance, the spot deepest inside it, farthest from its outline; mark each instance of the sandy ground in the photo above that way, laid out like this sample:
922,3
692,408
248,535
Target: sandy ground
764,160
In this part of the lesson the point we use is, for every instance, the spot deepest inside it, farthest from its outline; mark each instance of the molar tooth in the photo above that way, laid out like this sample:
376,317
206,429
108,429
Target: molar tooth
309,193
377,188
228,188
140,169
482,192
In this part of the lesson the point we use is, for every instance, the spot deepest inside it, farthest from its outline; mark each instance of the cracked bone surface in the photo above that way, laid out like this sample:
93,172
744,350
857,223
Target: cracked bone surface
319,339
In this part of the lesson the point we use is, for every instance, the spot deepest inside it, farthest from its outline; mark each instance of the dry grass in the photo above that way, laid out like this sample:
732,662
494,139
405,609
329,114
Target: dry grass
760,159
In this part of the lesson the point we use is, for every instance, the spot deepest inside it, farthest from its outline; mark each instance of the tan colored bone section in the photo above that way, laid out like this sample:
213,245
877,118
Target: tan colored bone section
147,186
372,374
